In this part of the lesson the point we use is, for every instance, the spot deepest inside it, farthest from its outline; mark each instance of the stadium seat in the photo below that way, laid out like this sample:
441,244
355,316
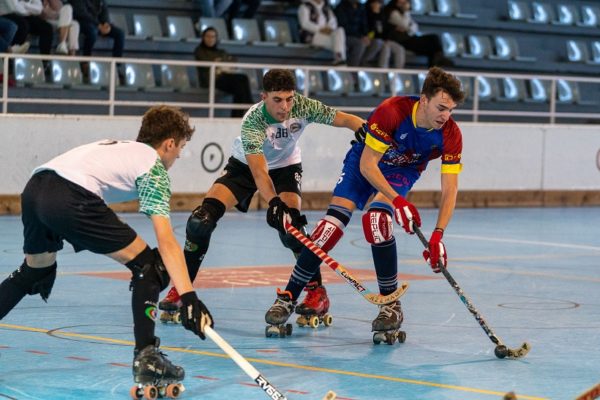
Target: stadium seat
421,7
255,84
488,88
338,82
542,13
139,77
315,81
511,89
219,25
181,28
507,49
371,84
595,52
29,72
66,73
278,31
577,51
466,83
538,90
402,84
120,20
147,27
100,74
453,44
566,14
175,77
590,16
479,46
449,8
246,31
518,11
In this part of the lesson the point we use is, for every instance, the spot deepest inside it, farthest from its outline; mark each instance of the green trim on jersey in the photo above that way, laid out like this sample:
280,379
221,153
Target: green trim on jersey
254,126
154,189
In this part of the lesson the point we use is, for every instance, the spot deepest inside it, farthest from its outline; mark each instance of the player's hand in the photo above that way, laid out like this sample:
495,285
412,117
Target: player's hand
194,314
360,134
406,214
277,213
436,251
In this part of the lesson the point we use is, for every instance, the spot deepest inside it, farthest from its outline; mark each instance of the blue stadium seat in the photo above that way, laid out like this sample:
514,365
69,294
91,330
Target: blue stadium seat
338,82
402,84
590,16
246,31
511,89
479,46
538,91
181,28
450,8
518,10
371,84
508,49
453,44
566,14
542,13
488,88
29,72
595,59
421,7
278,31
175,77
139,77
66,73
315,81
147,26
577,51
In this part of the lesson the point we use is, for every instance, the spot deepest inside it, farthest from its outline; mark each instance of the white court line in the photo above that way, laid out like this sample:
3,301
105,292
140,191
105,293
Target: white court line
527,242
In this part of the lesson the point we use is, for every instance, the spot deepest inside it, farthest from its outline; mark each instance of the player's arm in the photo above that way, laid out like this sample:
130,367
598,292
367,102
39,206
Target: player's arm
171,253
260,172
369,168
449,183
350,121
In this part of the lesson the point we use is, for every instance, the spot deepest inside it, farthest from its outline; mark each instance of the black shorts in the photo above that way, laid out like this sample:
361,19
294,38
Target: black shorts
238,178
55,209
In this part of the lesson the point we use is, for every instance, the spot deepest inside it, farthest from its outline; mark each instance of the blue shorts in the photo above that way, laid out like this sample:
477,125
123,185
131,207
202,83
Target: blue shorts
352,185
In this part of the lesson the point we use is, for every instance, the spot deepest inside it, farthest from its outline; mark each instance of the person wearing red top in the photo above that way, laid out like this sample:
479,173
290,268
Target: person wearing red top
403,134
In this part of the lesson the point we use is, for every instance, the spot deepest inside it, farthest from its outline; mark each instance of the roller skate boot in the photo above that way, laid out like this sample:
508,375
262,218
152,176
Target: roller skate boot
170,306
278,315
313,310
386,326
155,376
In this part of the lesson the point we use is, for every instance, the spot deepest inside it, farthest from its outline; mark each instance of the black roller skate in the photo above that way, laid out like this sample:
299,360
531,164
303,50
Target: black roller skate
313,310
155,376
386,326
170,307
278,315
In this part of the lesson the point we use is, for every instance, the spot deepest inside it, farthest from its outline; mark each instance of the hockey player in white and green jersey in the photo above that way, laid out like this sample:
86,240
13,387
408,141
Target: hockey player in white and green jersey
265,157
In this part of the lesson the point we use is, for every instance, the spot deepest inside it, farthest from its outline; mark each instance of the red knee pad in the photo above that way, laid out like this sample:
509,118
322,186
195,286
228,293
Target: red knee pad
378,226
326,234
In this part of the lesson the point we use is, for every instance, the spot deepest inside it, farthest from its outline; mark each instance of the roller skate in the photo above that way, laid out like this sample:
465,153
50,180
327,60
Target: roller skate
155,376
170,306
278,314
386,326
313,310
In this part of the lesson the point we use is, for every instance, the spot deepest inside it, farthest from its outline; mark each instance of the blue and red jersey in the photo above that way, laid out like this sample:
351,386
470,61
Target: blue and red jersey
393,131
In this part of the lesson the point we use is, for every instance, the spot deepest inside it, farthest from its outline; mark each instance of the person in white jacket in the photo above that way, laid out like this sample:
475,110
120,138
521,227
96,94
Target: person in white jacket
319,27
60,16
27,15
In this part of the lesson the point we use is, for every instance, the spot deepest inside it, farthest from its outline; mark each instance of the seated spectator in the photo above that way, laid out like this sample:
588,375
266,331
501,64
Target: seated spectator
351,16
61,18
8,29
402,29
381,48
234,83
26,15
92,16
319,27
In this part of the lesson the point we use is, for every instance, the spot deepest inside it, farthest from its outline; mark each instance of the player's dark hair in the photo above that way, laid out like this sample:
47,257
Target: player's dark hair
279,80
164,122
437,79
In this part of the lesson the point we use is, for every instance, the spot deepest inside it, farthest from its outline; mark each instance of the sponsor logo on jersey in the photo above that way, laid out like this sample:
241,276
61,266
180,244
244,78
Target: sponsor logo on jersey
375,129
403,136
452,157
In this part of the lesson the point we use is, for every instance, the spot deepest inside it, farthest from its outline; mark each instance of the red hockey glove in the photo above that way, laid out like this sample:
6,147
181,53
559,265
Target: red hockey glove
406,214
436,251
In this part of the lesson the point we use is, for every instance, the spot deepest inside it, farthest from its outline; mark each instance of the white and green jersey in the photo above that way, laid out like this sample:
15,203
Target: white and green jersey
117,171
278,141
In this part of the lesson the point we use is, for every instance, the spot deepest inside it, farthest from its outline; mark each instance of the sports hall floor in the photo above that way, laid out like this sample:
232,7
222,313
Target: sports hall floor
533,273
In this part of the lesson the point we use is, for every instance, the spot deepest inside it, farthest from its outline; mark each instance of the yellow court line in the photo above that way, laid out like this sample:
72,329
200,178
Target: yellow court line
279,364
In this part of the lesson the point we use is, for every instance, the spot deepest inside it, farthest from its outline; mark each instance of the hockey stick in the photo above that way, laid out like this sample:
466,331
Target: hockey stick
501,351
271,391
374,298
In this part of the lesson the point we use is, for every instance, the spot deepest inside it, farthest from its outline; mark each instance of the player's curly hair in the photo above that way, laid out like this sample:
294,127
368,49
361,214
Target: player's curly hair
437,79
279,80
164,122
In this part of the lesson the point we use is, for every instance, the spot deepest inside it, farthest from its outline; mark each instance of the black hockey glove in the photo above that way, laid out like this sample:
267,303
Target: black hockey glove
360,134
277,213
194,314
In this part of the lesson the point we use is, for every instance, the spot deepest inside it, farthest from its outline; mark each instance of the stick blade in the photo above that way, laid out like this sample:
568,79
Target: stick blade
395,295
330,395
520,352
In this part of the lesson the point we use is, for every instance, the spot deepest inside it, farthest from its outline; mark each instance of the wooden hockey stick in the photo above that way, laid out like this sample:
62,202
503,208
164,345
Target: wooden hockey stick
590,394
374,298
501,351
262,382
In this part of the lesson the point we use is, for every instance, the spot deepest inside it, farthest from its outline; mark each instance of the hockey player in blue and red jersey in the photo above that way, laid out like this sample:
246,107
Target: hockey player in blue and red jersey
403,134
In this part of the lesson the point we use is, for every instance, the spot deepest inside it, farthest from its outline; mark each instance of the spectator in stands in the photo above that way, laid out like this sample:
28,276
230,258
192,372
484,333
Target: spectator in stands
319,27
8,29
381,47
60,16
213,8
234,10
234,83
92,16
403,29
352,16
26,15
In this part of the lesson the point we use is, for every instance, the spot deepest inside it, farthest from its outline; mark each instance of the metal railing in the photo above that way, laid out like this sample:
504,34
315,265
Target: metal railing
475,108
